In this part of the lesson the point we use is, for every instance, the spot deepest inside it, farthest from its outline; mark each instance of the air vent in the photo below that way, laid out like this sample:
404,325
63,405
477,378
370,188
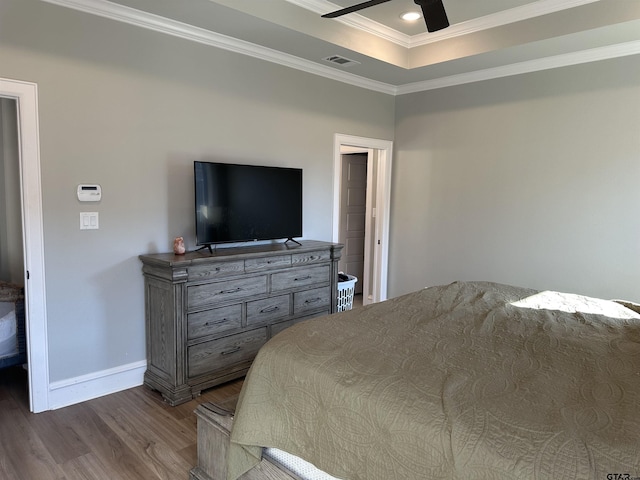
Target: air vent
342,61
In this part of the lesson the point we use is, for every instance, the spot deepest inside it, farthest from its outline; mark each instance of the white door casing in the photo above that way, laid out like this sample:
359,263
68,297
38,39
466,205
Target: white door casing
377,258
26,96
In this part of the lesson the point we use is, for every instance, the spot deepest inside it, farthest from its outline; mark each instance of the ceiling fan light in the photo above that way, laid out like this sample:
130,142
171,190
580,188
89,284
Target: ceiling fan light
410,16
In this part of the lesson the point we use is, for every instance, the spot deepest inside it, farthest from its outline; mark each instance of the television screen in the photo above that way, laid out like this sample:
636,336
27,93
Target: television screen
238,203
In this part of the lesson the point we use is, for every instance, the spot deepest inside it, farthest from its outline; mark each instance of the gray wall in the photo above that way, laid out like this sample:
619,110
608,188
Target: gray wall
130,110
530,180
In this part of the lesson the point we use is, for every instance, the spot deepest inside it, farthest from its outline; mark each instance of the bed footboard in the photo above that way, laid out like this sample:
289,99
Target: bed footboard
214,424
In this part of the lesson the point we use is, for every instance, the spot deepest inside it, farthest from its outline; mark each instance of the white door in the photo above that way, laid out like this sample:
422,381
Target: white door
353,209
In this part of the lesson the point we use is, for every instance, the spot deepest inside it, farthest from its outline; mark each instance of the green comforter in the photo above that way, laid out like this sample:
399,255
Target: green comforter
466,381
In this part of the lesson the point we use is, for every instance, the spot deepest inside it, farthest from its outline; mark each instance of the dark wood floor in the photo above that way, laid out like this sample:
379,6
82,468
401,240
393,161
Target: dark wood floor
130,435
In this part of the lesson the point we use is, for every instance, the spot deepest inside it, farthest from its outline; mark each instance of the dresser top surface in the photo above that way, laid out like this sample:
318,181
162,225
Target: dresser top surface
236,253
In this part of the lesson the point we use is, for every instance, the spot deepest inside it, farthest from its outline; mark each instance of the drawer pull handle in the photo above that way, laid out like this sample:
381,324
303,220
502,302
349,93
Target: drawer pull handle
302,278
229,352
235,290
312,300
272,308
223,320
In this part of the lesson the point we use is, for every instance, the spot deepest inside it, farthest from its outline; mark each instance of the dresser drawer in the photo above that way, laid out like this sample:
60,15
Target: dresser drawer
257,264
231,290
220,269
276,328
214,321
228,353
300,259
303,277
310,300
268,309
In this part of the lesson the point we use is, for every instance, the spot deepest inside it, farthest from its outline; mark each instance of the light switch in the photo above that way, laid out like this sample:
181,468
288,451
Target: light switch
89,221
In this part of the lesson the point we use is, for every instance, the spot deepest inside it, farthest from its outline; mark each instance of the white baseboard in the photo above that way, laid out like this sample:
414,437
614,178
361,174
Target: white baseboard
80,389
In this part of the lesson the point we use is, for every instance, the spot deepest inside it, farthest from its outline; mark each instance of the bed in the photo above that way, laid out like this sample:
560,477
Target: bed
472,380
12,325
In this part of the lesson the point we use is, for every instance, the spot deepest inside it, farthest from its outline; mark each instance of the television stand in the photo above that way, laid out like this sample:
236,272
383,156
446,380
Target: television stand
292,240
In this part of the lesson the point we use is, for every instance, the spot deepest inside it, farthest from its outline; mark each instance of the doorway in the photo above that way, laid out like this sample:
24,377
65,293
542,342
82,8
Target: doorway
370,220
25,95
354,221
11,255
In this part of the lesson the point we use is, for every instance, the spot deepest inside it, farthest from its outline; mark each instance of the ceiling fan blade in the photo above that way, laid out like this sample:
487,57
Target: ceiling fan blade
354,8
434,14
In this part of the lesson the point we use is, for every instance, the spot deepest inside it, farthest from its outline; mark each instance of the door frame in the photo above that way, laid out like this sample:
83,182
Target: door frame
26,96
378,257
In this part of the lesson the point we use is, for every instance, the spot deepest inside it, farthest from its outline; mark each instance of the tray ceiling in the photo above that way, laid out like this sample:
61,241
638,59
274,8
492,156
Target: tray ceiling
486,39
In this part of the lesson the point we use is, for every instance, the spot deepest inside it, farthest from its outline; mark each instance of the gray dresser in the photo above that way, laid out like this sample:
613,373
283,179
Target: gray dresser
208,314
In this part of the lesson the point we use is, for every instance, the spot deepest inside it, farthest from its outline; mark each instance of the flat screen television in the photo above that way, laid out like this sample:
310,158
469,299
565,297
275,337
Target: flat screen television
241,203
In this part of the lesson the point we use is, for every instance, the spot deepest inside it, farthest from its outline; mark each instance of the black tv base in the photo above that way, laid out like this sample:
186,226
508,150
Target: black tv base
210,248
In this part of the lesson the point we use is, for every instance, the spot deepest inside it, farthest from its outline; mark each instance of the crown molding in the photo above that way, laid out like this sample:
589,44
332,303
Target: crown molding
547,63
106,9
505,17
149,21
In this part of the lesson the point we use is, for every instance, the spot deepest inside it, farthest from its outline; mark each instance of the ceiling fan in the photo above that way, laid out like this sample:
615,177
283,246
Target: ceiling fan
433,11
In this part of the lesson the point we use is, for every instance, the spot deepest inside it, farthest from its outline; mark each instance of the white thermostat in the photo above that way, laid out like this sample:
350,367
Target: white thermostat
89,193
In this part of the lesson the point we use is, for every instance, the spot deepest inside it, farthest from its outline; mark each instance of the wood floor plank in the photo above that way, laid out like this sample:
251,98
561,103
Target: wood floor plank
106,445
23,452
129,435
150,441
155,422
88,467
7,470
60,438
190,454
154,400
